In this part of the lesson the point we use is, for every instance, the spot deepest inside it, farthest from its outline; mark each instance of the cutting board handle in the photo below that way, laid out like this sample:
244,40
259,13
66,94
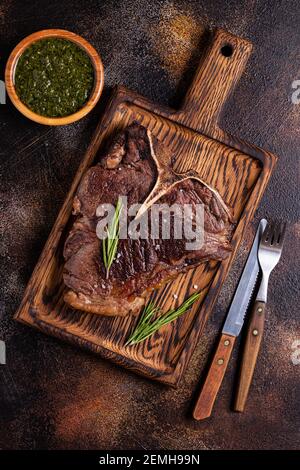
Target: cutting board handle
215,78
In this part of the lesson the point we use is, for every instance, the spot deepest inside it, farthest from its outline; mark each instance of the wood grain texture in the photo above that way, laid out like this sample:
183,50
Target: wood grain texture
215,79
83,44
250,353
238,170
214,378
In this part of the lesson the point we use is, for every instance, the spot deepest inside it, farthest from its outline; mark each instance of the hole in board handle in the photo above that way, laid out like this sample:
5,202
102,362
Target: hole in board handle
227,50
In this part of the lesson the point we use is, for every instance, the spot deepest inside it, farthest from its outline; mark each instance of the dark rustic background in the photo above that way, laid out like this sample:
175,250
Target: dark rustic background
53,395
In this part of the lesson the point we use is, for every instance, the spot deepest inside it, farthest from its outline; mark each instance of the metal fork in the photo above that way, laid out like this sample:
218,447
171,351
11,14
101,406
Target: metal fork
269,253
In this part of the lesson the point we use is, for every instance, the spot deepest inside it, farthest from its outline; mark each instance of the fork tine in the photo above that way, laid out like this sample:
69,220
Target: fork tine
276,234
281,234
267,235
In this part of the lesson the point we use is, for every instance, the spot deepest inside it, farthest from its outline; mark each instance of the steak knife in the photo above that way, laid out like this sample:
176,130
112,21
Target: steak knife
231,329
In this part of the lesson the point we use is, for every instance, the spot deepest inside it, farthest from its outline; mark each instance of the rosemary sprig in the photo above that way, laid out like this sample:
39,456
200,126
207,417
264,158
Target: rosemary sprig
110,242
146,327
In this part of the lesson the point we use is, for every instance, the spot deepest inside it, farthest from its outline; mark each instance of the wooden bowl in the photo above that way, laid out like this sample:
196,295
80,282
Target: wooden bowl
50,33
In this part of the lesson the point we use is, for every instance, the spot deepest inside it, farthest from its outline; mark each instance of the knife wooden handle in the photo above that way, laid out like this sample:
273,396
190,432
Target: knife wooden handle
251,349
214,378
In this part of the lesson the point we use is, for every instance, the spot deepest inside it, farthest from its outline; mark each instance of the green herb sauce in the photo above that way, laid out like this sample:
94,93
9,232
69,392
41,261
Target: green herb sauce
54,77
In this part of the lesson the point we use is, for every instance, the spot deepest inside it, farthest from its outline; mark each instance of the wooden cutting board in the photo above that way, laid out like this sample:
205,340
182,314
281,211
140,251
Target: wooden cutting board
238,170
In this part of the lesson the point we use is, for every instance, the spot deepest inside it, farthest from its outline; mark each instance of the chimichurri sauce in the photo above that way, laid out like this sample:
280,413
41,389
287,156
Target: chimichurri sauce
54,77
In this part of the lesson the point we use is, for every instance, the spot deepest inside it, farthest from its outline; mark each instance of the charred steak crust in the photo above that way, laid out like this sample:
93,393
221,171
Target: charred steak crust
127,169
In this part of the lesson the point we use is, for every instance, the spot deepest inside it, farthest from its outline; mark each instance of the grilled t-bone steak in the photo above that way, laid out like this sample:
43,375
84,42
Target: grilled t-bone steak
129,168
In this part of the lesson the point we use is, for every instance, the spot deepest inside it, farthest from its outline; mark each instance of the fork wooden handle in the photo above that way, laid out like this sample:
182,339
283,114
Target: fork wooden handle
214,378
250,353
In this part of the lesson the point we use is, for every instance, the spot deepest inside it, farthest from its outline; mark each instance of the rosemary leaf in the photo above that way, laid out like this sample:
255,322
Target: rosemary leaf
110,242
146,327
144,321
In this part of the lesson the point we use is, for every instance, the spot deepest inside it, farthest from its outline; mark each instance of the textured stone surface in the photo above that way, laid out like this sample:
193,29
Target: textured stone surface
55,396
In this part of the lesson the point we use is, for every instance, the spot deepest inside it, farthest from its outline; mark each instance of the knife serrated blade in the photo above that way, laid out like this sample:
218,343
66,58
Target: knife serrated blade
238,308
